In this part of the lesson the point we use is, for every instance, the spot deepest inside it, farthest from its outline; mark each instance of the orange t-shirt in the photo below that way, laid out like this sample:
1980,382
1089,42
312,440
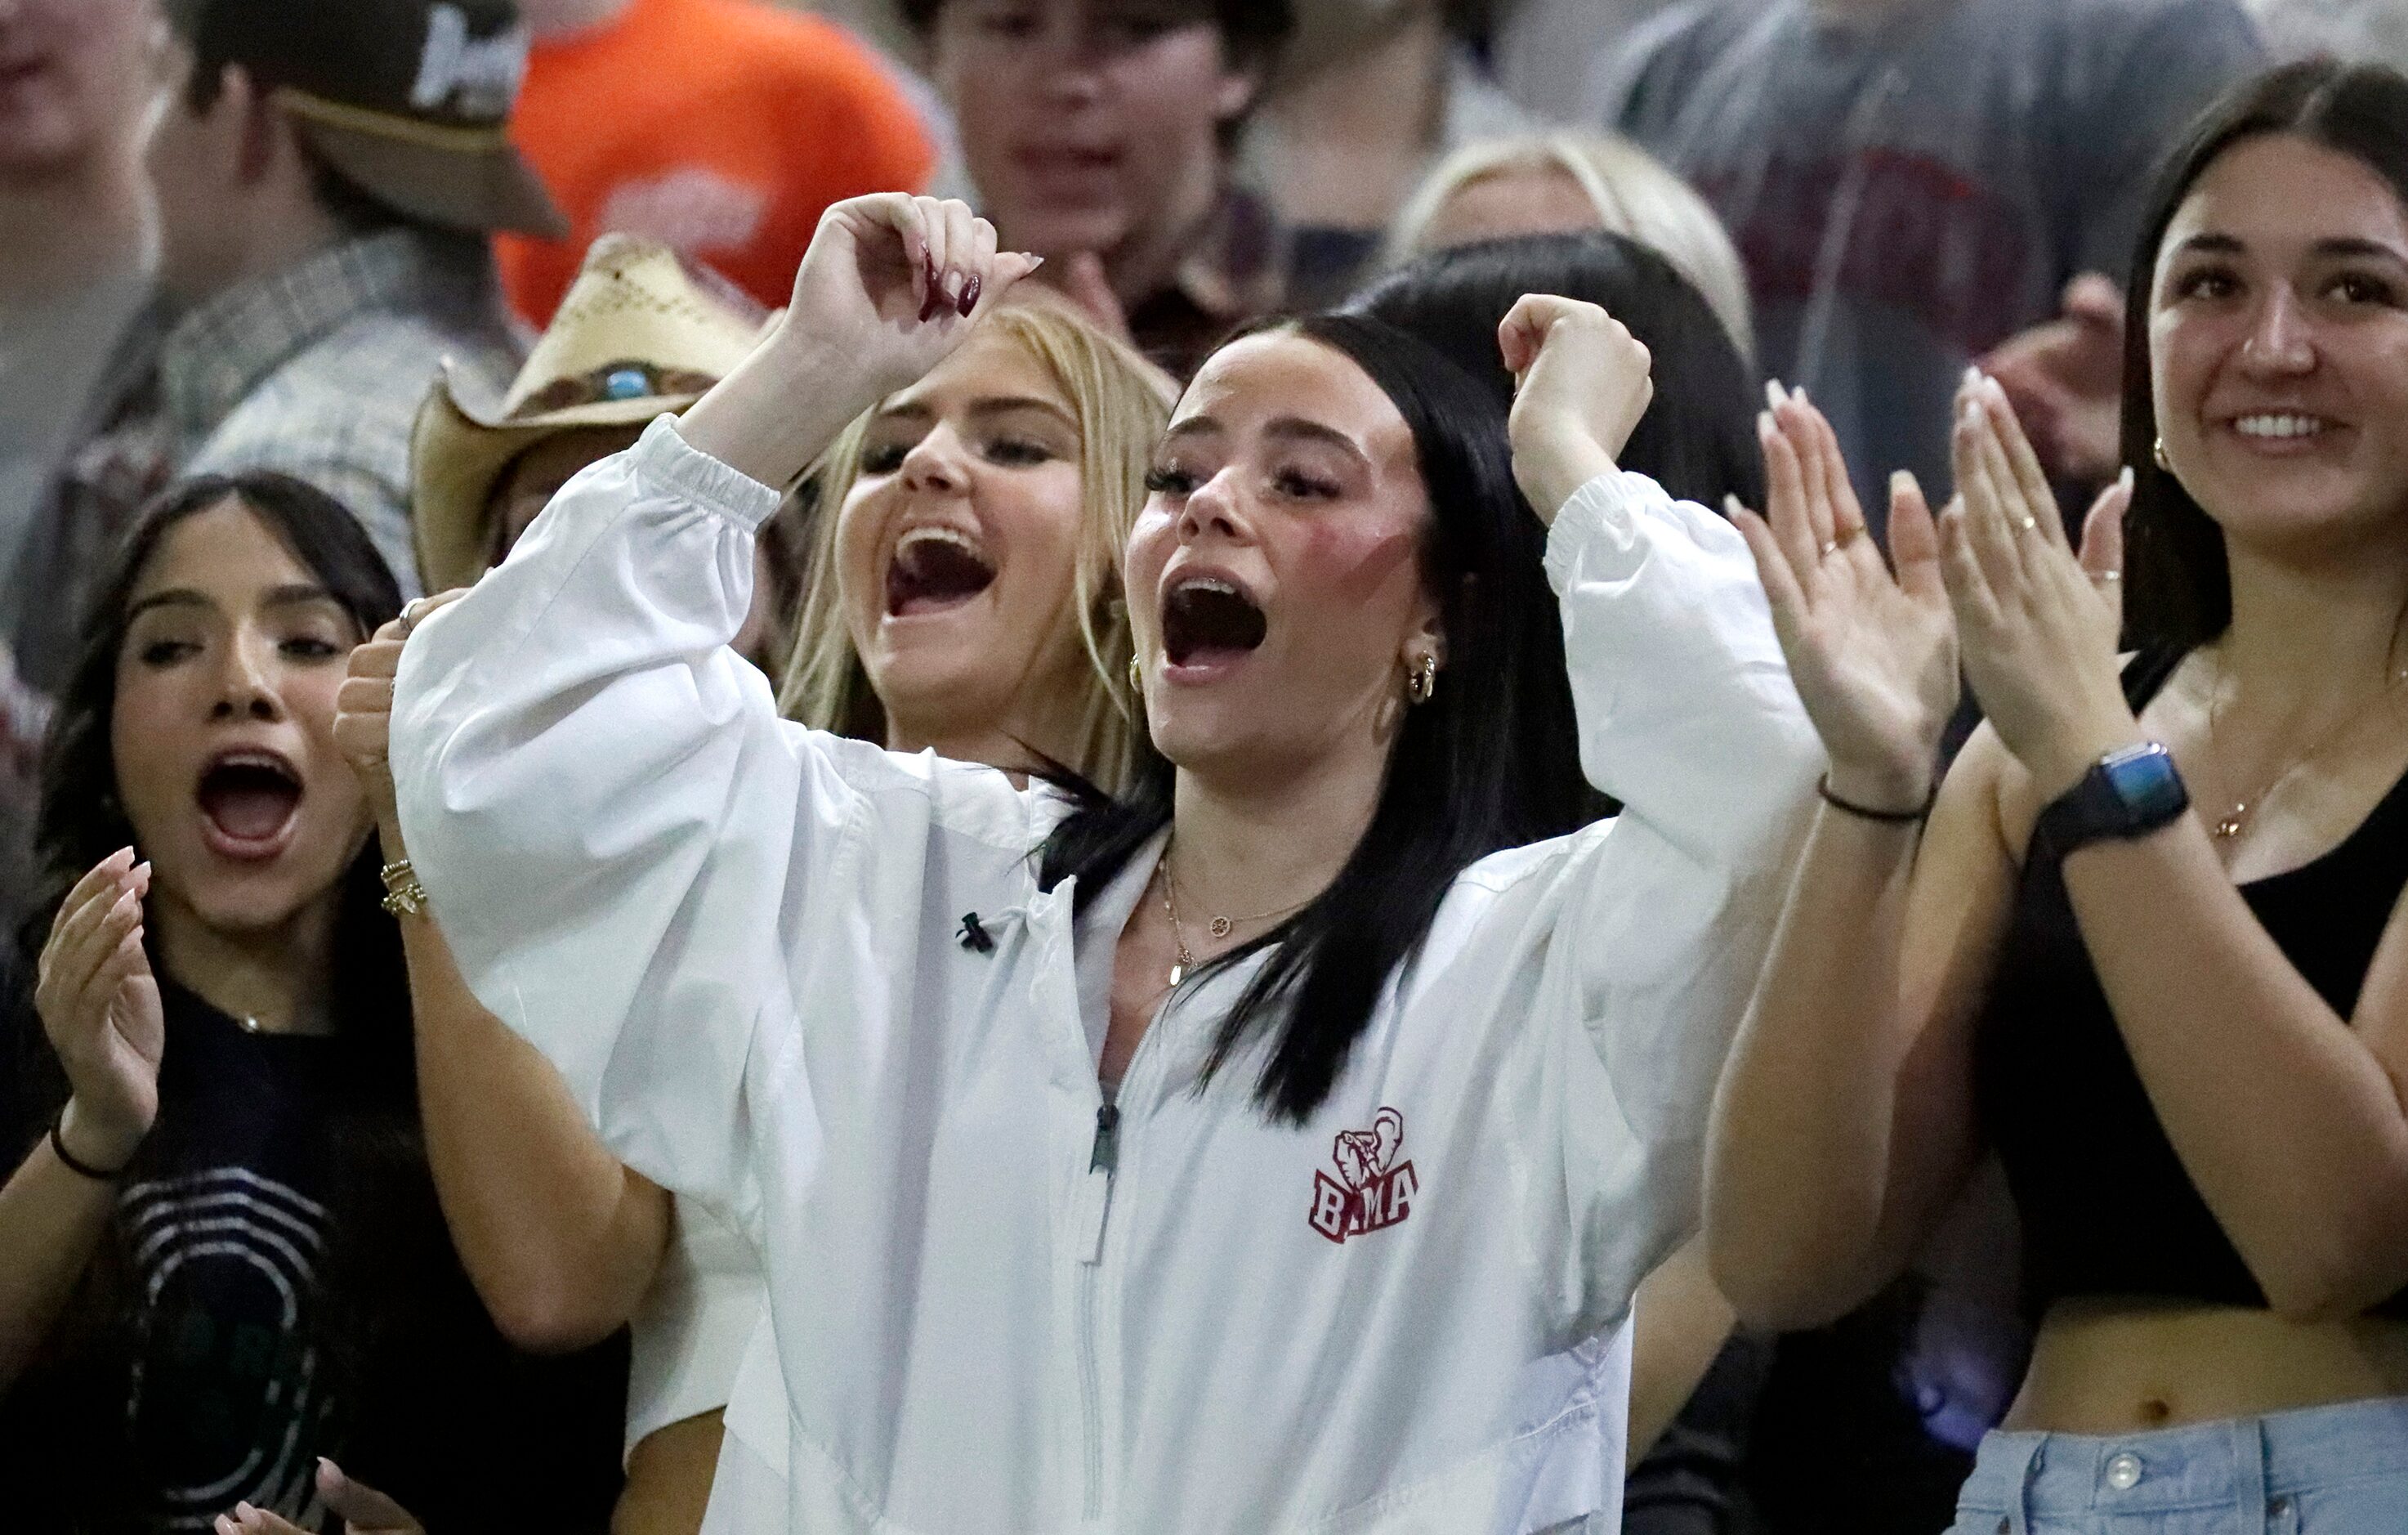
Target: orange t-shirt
721,127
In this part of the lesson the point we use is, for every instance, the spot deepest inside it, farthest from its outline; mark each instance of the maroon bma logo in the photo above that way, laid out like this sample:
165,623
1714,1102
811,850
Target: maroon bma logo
1373,1190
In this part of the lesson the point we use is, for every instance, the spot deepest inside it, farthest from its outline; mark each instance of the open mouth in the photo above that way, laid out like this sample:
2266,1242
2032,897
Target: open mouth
247,802
935,569
1206,620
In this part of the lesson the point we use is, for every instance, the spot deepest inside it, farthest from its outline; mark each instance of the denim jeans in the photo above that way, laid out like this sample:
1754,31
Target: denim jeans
2324,1470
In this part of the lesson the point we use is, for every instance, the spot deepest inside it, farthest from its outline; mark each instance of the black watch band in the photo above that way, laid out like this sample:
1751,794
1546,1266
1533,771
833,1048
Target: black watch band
2129,793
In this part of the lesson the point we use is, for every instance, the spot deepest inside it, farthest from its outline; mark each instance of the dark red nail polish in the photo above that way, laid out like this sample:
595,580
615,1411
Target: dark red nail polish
969,297
935,293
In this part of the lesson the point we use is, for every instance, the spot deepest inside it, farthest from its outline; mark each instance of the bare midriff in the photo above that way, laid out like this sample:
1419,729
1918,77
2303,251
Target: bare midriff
2120,1366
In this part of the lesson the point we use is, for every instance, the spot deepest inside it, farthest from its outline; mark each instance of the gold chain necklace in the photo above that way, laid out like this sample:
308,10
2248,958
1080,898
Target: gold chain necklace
2235,821
1220,928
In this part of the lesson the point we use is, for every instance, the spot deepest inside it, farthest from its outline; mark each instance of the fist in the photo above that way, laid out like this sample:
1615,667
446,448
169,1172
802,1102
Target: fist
1581,383
892,282
363,710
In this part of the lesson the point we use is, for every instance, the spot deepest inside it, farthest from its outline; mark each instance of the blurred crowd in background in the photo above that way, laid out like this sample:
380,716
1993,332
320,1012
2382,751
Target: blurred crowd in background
423,260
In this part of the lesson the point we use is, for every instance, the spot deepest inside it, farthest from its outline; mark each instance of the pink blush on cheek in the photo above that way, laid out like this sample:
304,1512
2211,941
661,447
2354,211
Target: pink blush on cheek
1356,560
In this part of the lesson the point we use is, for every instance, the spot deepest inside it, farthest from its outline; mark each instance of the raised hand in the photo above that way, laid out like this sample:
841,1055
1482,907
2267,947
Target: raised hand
364,711
99,1006
890,286
1581,383
363,1510
2065,379
2039,624
1874,655
892,282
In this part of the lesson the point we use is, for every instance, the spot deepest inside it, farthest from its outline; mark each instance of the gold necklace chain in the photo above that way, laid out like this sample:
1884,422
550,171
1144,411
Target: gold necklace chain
2235,821
1219,928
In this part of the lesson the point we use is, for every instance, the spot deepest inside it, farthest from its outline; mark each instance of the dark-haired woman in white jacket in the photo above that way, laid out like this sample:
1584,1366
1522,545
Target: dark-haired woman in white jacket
1277,1149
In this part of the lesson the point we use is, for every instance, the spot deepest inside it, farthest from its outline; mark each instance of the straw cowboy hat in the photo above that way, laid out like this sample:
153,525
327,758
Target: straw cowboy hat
641,334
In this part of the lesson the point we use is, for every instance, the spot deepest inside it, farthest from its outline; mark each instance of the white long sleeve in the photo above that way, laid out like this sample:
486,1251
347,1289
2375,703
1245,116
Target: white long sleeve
1687,715
739,941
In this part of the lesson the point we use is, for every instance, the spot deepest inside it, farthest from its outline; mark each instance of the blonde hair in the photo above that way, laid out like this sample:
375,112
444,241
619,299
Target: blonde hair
1122,403
1635,195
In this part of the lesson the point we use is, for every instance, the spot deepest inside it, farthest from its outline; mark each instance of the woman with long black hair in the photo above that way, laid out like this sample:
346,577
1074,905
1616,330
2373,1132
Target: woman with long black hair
1275,1148
220,1253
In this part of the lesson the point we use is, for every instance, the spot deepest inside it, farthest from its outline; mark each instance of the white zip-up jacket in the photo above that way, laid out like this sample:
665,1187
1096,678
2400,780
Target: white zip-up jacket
747,946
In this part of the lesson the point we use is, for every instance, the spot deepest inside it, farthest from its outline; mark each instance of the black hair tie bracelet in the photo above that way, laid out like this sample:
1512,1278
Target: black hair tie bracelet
76,1165
1868,812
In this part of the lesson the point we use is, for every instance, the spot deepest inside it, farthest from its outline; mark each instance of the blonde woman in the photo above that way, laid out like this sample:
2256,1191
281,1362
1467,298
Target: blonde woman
963,595
1567,181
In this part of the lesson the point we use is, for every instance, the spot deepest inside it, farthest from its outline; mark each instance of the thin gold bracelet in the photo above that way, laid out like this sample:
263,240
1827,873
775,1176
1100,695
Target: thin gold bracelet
404,896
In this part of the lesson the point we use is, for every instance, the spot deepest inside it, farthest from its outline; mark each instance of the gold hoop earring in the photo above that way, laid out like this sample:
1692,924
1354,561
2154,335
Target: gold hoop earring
2159,453
1137,676
1421,684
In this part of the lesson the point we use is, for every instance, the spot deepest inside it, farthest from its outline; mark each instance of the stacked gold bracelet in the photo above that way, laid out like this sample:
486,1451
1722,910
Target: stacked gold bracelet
404,896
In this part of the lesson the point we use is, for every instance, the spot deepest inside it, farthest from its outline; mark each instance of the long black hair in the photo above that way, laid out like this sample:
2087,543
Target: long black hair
81,818
1490,762
399,1333
2178,580
1698,439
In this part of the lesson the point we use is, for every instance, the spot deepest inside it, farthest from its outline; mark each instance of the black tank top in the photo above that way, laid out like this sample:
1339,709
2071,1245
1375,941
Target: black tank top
2107,1207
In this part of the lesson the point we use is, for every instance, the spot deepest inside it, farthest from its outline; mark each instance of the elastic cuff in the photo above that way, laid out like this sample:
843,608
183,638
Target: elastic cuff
1599,510
665,457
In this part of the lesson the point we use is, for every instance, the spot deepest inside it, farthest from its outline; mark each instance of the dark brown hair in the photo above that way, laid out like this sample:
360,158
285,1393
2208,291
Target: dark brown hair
2178,583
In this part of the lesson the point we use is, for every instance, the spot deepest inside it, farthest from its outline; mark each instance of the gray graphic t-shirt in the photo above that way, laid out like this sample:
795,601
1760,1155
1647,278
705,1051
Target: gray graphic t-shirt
1908,194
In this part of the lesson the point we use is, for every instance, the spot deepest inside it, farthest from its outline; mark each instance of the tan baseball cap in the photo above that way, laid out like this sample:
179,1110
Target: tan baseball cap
641,333
409,100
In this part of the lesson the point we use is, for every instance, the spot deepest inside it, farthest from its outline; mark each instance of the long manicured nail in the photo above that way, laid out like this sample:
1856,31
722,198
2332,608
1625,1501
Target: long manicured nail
934,292
1902,483
970,296
1764,424
1972,379
1798,395
1731,507
1775,396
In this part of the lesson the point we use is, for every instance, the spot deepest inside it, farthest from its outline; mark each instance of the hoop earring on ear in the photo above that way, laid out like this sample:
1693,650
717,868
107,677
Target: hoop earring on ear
2159,453
1421,684
1137,677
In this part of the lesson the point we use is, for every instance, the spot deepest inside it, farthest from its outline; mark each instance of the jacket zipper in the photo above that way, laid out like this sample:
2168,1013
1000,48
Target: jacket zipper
1103,1161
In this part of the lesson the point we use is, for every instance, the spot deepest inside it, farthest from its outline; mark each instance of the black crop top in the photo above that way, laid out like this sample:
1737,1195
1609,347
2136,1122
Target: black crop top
2107,1207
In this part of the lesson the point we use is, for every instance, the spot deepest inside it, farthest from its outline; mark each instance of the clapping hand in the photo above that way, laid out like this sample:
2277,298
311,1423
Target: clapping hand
1581,383
99,1006
1873,654
365,1511
2039,622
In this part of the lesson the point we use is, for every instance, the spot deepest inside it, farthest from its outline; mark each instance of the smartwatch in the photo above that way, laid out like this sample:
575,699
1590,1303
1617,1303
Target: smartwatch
2129,793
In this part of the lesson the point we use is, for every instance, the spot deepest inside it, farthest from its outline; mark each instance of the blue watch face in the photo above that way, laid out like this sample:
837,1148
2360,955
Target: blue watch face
2144,779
